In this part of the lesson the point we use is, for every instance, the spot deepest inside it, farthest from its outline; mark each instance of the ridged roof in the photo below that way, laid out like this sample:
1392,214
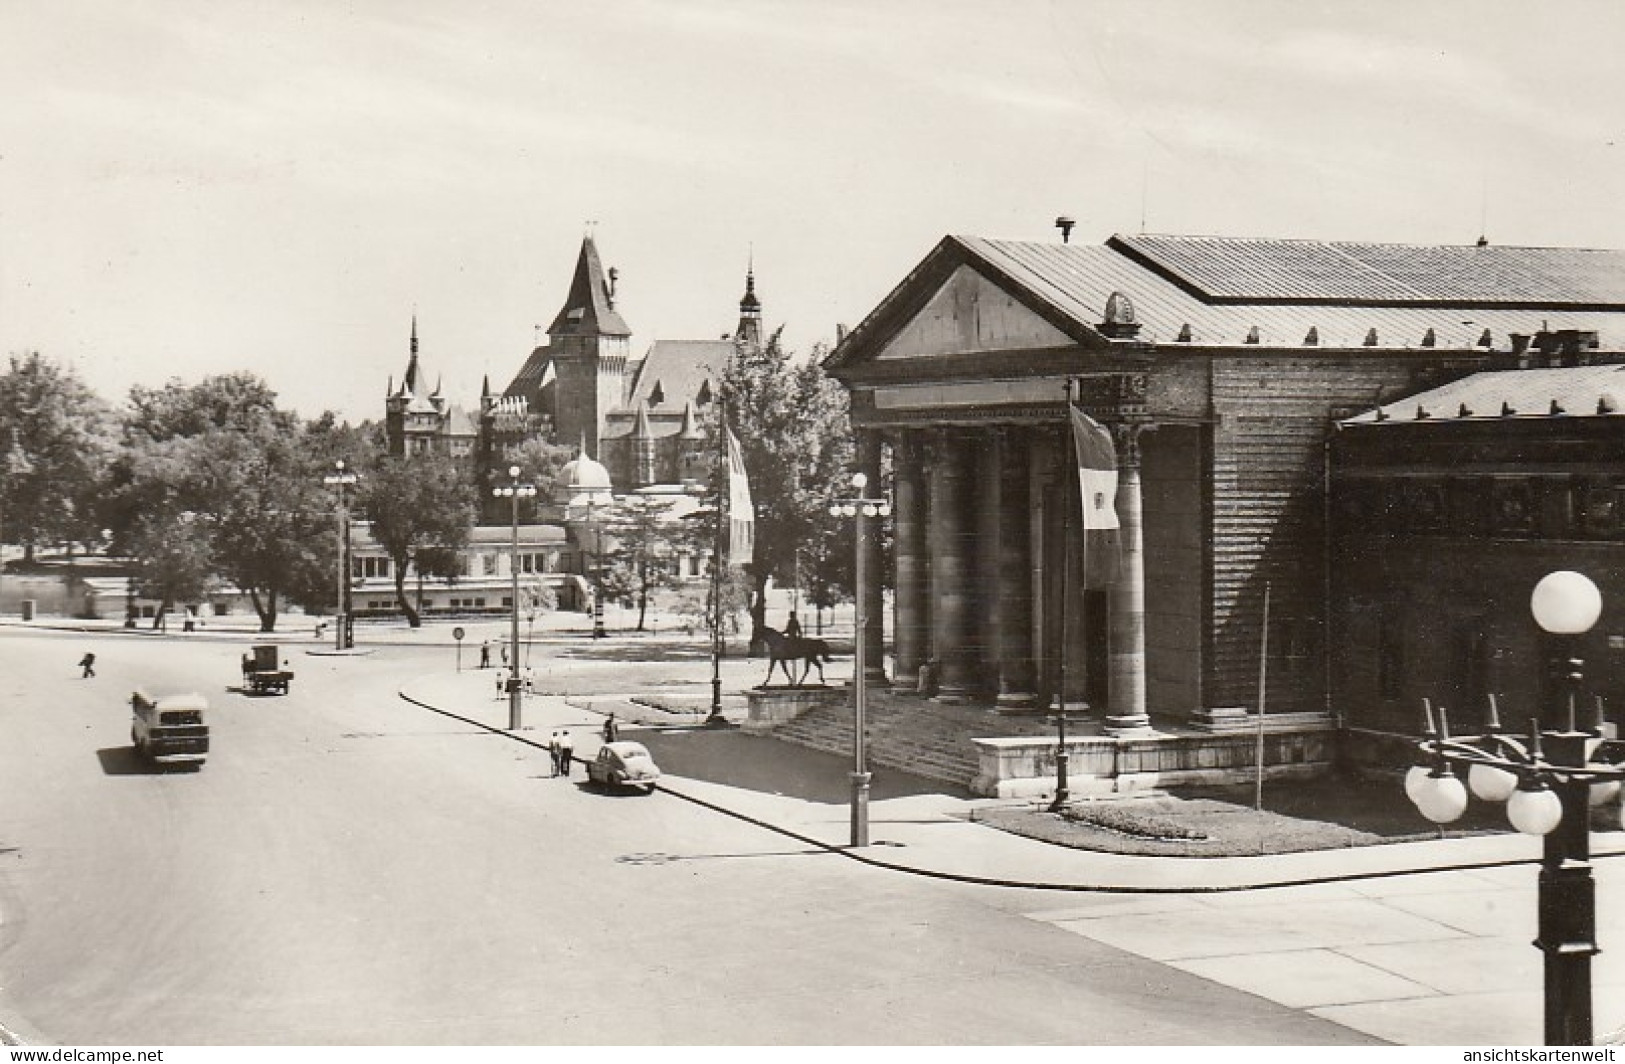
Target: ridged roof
1077,279
1255,270
1577,391
679,367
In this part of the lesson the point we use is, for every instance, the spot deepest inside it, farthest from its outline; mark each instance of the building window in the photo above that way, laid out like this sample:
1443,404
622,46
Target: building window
489,562
1512,506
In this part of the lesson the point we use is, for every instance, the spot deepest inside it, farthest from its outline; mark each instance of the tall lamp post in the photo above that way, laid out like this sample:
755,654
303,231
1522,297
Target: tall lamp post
861,508
342,480
1549,781
597,569
514,490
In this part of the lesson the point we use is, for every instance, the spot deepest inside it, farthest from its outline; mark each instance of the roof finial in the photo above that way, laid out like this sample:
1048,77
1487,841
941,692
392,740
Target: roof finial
1065,224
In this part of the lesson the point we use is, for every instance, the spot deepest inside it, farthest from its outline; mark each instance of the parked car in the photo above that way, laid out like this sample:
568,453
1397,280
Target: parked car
170,730
624,764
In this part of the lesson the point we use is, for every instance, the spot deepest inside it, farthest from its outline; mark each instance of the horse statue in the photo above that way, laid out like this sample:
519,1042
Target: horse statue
783,649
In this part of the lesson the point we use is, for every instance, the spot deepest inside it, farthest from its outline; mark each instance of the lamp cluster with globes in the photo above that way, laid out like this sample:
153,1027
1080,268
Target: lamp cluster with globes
514,490
1550,780
862,508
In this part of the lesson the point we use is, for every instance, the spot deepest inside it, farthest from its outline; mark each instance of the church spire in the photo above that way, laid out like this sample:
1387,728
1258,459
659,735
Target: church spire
749,332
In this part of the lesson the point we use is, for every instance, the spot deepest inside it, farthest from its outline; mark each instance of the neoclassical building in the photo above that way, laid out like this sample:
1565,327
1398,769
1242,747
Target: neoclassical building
1220,367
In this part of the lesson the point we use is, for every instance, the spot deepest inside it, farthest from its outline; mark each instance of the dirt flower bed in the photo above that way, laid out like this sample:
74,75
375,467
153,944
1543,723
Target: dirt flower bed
1221,822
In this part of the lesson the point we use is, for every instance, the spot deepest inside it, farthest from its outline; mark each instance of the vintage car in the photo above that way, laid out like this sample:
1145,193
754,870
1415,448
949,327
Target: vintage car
623,764
263,670
170,730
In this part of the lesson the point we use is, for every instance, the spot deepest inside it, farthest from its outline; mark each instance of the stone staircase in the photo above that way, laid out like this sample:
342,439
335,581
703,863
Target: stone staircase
911,734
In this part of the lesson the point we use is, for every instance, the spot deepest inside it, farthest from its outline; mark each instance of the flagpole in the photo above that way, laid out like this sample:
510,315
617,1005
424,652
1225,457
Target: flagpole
1062,795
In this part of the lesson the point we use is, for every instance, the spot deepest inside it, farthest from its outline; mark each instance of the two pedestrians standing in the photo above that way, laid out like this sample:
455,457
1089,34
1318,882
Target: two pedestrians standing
485,654
559,746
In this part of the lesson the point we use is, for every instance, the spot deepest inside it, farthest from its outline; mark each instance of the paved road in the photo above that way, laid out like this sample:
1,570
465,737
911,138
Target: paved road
350,869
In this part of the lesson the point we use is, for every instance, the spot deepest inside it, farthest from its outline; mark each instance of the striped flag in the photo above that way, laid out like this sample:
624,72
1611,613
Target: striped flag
1097,484
741,514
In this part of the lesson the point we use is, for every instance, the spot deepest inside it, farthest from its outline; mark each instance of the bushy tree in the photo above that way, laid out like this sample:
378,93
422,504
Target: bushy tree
53,431
421,508
793,423
642,538
219,460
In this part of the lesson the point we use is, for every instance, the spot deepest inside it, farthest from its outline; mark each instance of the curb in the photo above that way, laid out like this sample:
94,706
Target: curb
1029,884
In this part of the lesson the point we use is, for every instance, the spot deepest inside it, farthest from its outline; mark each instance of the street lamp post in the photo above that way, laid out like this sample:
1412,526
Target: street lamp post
861,509
1549,781
597,570
342,480
514,490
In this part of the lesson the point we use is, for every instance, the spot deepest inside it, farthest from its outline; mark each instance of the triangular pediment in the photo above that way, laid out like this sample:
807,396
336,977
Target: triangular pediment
969,314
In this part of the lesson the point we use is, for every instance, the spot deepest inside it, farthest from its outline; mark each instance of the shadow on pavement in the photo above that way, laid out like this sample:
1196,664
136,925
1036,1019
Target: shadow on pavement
736,759
123,761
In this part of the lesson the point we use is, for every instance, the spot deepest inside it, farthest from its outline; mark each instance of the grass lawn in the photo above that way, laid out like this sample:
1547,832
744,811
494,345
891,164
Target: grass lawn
1320,814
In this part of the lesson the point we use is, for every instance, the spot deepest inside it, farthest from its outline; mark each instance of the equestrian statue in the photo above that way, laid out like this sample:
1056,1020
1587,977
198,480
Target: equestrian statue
783,649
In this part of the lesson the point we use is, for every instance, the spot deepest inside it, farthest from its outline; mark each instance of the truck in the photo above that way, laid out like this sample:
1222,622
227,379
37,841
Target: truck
263,670
171,729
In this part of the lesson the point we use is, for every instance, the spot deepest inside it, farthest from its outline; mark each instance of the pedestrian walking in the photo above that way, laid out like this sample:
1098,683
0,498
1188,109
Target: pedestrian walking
612,730
553,749
566,753
485,654
87,666
502,682
504,655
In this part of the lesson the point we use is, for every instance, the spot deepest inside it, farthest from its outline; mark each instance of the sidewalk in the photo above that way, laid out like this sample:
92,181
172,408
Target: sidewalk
1423,943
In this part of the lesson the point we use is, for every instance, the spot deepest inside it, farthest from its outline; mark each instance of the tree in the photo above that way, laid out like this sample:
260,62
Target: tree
250,476
793,423
56,454
174,559
421,508
641,536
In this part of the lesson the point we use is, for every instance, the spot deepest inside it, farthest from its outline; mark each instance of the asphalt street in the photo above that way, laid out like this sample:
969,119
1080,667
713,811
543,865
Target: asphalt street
352,869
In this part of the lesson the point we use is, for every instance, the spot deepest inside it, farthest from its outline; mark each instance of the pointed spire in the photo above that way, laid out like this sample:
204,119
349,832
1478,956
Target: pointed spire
749,331
588,311
640,424
485,387
409,383
691,424
414,332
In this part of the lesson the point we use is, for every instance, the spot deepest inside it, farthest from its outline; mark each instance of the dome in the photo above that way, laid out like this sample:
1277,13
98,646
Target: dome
582,473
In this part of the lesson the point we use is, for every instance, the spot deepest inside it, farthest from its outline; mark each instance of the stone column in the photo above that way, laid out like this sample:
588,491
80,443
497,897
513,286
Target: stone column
910,607
1127,714
987,605
874,599
1015,577
950,561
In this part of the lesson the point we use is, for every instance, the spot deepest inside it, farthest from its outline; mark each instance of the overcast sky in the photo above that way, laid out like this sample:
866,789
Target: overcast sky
198,186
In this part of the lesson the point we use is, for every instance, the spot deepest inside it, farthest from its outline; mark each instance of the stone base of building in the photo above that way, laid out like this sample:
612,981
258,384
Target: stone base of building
1107,764
770,707
1237,719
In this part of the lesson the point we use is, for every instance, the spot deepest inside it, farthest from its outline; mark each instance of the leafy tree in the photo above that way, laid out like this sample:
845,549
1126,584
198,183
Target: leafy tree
793,423
250,476
52,428
271,513
421,508
642,537
175,559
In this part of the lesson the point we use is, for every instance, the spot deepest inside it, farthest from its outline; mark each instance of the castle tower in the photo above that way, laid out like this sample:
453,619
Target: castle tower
398,401
588,347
